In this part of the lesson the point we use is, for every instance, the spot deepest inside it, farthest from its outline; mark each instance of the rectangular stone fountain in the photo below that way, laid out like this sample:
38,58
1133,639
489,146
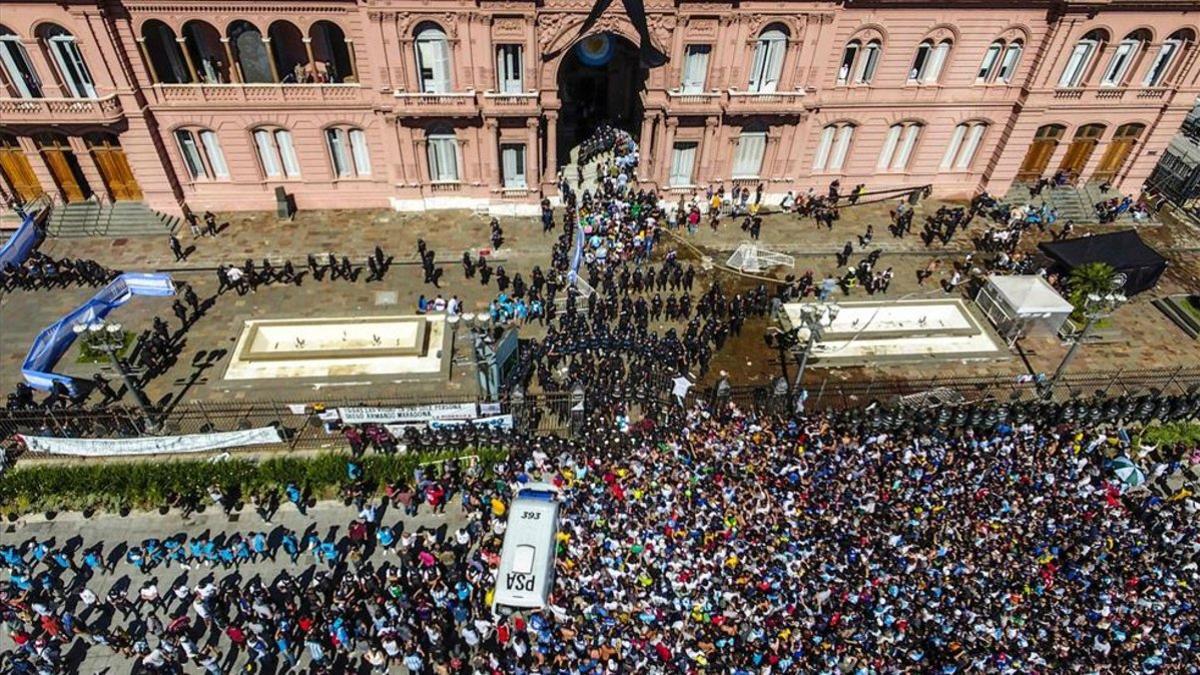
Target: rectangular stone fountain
866,333
340,347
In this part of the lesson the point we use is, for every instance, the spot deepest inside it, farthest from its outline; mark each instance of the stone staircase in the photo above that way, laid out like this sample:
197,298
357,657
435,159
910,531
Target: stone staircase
95,218
591,177
1075,203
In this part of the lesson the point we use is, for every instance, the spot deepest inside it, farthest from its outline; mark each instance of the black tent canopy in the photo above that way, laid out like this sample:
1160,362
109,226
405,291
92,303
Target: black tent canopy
1124,251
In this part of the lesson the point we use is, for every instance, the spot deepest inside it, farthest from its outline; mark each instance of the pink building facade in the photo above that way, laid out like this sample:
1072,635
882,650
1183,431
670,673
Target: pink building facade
455,104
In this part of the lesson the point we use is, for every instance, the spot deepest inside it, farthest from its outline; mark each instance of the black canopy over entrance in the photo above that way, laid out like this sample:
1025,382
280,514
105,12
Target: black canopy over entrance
1124,251
593,94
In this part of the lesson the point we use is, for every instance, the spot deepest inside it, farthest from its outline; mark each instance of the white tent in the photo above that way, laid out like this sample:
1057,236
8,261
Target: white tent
1020,304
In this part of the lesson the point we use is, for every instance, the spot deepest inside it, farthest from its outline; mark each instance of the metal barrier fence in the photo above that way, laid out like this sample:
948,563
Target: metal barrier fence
302,427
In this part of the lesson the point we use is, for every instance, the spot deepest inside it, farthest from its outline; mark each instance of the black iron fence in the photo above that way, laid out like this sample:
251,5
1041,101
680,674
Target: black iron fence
303,427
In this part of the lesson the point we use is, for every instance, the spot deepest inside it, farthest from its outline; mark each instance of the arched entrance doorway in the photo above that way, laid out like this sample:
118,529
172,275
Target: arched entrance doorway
601,79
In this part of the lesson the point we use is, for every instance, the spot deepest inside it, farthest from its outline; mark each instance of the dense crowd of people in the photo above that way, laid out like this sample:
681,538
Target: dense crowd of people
715,540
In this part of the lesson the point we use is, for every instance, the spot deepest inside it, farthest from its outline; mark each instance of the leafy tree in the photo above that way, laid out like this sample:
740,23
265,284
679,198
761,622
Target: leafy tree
1092,278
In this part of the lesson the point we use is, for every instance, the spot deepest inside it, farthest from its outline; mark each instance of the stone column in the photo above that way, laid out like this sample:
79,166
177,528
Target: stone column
235,68
550,171
491,127
187,57
532,165
708,146
271,59
665,149
353,61
141,41
312,61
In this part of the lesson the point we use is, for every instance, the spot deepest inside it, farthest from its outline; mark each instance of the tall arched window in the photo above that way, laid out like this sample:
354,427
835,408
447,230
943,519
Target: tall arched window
291,57
898,146
21,78
768,59
68,60
1122,59
1012,59
963,145
751,146
348,152
276,153
868,62
1081,58
1160,67
433,58
833,147
332,52
442,152
849,56
202,155
203,43
166,58
250,53
929,60
991,59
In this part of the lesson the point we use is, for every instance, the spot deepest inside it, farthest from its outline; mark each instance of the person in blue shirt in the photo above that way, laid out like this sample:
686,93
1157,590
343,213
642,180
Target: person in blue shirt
290,546
386,537
296,496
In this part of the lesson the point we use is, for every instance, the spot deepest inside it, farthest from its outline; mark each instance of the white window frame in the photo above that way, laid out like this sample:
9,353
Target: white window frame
849,60
337,141
1156,74
833,148
276,153
959,155
991,59
841,147
767,68
869,62
441,152
68,58
510,69
749,154
683,163
1118,65
937,62
1010,61
214,154
1077,63
432,48
695,68
360,152
14,56
189,149
920,62
898,146
513,157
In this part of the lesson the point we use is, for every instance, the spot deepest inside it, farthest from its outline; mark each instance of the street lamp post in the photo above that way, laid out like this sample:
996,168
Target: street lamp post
110,338
1095,307
814,319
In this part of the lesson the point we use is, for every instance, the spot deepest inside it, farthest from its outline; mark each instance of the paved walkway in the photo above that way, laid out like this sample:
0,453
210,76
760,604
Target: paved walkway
116,533
1138,336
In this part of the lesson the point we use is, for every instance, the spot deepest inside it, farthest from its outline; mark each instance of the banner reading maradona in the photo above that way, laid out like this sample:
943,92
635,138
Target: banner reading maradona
150,445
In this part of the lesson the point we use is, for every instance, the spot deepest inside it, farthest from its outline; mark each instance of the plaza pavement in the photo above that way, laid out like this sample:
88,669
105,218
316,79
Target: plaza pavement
1138,336
328,519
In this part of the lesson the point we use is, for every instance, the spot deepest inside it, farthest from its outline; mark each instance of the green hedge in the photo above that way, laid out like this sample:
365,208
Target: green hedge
1172,433
144,485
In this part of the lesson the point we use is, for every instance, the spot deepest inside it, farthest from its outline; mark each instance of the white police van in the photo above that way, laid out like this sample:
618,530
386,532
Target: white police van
526,573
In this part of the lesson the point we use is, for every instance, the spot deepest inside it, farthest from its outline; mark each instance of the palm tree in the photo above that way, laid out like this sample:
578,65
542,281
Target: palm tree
1093,278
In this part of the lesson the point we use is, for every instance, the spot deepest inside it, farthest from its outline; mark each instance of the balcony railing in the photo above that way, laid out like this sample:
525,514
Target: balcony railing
445,103
103,110
694,102
1110,94
444,187
765,102
193,94
501,103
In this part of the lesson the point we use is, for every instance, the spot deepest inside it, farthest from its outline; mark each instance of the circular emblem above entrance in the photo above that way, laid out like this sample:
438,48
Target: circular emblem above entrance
595,50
